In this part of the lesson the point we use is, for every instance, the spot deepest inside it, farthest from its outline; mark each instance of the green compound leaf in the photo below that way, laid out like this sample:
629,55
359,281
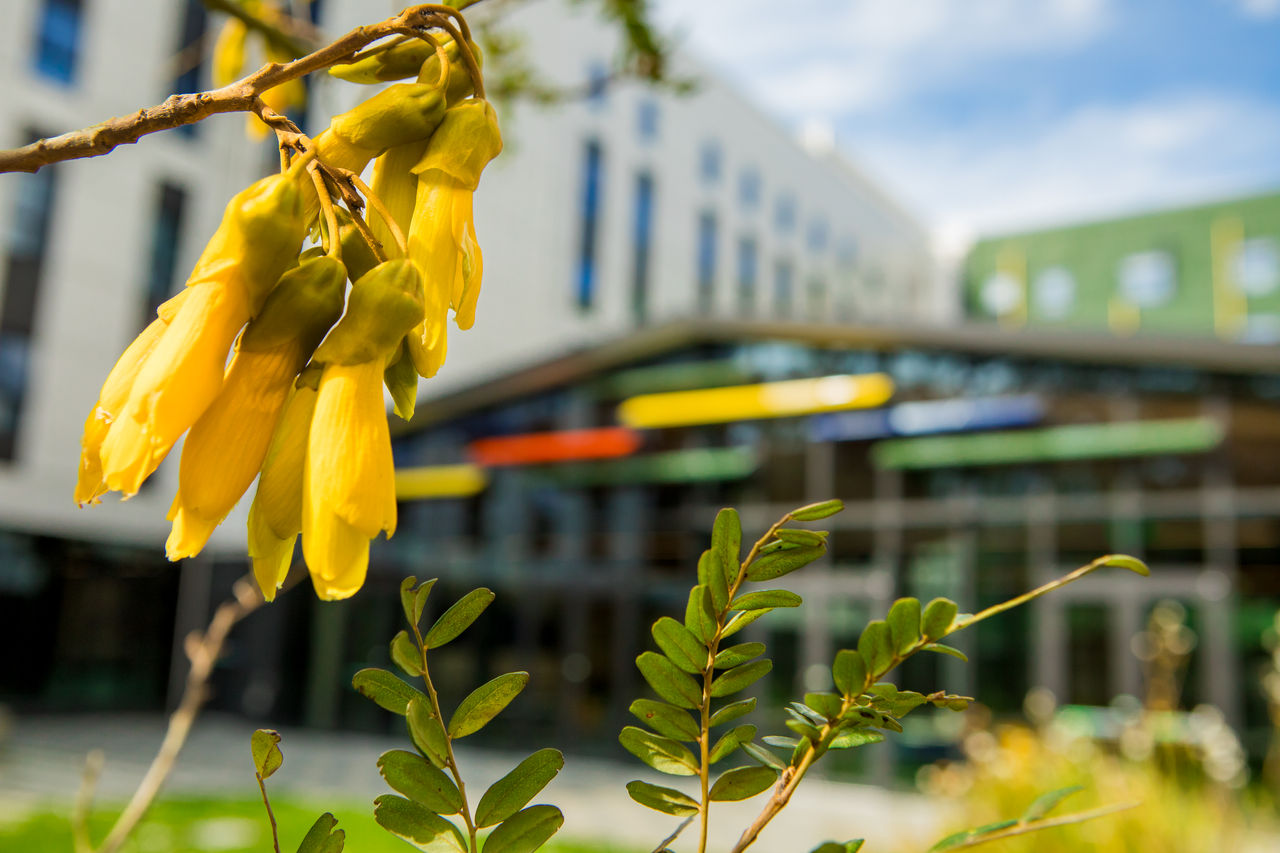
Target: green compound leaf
322,837
1124,561
486,702
665,800
726,542
780,563
661,753
849,672
513,792
678,643
711,575
766,599
742,783
1047,802
826,704
525,831
732,711
739,678
739,654
264,744
764,756
667,720
427,731
418,825
420,781
938,617
742,620
802,537
699,616
850,738
668,681
945,650
385,689
904,624
405,654
458,618
730,741
818,511
876,647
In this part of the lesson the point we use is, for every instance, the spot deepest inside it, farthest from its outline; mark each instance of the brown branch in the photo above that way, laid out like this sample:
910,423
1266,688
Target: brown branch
203,650
179,110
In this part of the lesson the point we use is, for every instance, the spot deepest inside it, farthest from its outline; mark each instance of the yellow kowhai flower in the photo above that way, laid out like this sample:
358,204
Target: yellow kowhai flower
182,374
275,517
226,446
114,394
442,238
348,492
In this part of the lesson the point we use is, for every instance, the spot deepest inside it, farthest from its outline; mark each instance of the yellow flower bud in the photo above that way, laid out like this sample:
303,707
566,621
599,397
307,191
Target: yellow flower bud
384,304
464,143
399,114
413,58
275,517
401,380
227,445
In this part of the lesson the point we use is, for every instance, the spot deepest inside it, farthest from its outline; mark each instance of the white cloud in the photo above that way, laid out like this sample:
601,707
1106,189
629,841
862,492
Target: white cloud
1096,161
1262,9
830,57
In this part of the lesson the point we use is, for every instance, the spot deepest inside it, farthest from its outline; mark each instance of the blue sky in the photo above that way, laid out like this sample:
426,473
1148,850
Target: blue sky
995,115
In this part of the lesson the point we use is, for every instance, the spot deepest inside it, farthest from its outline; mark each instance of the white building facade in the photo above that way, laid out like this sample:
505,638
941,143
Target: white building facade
622,208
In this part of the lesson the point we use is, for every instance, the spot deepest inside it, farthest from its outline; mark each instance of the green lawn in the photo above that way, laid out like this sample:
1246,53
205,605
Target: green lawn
226,826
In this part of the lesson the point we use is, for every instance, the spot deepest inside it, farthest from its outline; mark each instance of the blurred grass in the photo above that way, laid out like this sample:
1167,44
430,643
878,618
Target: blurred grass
184,825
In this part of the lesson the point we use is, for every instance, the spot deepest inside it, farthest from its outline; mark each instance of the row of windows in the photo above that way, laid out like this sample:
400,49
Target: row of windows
1147,279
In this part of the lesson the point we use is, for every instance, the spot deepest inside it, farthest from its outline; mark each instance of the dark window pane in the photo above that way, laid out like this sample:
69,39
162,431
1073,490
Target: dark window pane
643,240
165,235
58,39
782,288
748,274
707,235
591,177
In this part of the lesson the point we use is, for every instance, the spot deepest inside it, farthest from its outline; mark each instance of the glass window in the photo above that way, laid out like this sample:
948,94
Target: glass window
817,236
58,39
748,274
707,238
647,120
816,297
749,187
28,239
709,162
190,54
592,162
783,275
643,246
1054,293
597,84
1257,266
165,235
784,213
1148,279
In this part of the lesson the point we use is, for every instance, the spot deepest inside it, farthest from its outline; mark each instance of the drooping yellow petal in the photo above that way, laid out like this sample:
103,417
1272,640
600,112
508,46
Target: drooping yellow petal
271,554
177,382
433,249
470,268
337,555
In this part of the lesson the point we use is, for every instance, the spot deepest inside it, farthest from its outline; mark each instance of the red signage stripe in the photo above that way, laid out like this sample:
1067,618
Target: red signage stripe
561,446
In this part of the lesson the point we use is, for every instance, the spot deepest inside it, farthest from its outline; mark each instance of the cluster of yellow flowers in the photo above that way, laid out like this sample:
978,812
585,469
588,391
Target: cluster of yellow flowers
300,406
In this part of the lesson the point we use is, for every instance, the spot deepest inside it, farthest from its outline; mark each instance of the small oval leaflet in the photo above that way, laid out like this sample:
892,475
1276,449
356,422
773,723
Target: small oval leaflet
764,756
741,783
661,753
711,575
385,689
726,542
458,618
679,645
426,732
420,781
780,563
513,792
730,741
938,616
766,599
405,654
486,702
668,681
904,624
815,512
525,831
739,677
699,614
265,746
1124,561
418,825
875,648
412,601
741,620
739,654
666,720
665,800
733,711
323,836
849,671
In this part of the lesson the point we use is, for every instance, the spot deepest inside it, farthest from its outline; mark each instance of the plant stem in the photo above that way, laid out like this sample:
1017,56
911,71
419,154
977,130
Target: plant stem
1047,823
964,622
450,761
275,836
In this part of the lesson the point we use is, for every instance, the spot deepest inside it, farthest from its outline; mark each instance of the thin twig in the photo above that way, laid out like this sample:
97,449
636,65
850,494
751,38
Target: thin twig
376,203
334,240
662,845
178,110
275,835
204,650
1048,823
84,799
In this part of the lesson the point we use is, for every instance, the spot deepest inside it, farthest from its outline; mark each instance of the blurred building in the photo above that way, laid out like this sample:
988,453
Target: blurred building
1207,271
622,209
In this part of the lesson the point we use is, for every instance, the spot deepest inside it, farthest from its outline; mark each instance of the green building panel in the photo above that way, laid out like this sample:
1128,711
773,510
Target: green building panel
1208,270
